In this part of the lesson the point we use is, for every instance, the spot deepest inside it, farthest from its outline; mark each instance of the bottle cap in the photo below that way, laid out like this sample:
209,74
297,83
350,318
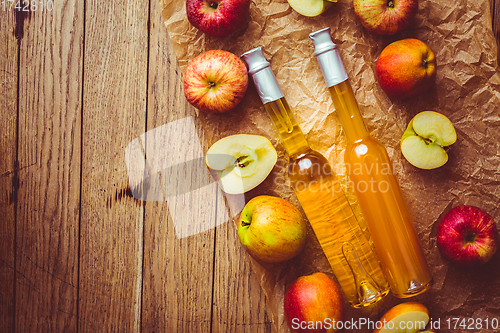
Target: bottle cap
328,57
262,75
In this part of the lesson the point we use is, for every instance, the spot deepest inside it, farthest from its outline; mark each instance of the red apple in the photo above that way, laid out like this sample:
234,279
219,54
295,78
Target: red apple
215,81
467,236
406,68
271,229
385,17
217,18
314,303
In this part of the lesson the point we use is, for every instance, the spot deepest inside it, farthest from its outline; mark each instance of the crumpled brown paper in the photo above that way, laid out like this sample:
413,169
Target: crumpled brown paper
467,91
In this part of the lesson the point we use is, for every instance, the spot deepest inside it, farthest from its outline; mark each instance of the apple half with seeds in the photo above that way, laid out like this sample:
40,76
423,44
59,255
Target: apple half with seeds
241,162
409,317
424,140
310,7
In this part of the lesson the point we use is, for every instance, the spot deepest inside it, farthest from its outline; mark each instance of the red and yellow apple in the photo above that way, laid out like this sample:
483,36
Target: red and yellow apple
215,81
385,17
310,7
423,141
406,68
407,317
217,18
314,303
271,229
467,236
241,162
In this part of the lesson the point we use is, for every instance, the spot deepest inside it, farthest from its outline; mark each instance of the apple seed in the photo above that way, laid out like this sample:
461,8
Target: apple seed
242,161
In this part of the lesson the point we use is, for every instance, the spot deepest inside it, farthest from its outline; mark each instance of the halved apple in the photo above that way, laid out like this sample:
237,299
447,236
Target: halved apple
423,141
310,7
407,317
241,162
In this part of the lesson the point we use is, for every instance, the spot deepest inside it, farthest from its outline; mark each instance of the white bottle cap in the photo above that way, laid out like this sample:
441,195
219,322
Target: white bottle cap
262,75
328,57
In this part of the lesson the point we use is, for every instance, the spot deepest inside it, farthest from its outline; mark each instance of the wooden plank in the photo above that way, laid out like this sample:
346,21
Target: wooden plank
114,109
49,161
239,302
8,174
495,14
178,273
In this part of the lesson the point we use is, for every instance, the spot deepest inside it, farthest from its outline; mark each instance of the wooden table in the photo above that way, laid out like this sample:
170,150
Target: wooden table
77,251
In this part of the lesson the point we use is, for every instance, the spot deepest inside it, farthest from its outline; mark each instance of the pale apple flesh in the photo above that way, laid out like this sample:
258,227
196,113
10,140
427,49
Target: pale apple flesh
310,7
410,317
241,162
423,141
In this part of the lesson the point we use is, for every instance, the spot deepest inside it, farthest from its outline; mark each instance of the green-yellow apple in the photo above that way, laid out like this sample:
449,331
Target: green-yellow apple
423,141
271,229
467,236
215,81
407,317
217,18
310,7
241,162
314,303
385,17
406,68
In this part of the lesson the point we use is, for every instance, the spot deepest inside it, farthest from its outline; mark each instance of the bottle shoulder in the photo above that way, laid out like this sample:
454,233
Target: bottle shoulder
366,147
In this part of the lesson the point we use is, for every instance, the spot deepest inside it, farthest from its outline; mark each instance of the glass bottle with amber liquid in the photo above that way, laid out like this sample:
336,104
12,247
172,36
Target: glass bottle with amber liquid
346,247
377,188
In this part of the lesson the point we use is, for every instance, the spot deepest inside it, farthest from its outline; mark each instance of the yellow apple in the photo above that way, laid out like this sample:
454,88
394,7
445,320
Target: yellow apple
407,317
310,7
423,141
241,162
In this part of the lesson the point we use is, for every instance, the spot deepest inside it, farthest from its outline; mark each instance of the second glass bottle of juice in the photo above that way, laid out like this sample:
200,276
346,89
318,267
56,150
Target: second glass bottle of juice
349,253
377,188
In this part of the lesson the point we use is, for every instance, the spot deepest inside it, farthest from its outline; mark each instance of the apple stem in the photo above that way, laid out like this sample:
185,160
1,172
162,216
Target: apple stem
425,63
470,238
390,3
244,224
214,4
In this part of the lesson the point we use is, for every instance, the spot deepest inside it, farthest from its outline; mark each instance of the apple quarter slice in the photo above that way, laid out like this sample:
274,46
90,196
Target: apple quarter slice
241,162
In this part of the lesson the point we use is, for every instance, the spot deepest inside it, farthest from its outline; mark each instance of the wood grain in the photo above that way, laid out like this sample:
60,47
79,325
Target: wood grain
178,273
49,175
114,109
239,302
495,14
8,174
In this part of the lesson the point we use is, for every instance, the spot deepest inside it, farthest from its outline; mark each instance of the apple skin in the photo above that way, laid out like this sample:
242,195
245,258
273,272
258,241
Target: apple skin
313,298
467,236
215,81
385,17
406,68
217,18
409,311
271,229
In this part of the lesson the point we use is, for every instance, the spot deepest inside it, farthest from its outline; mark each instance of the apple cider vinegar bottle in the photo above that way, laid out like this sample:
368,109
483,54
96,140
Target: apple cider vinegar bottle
346,247
377,188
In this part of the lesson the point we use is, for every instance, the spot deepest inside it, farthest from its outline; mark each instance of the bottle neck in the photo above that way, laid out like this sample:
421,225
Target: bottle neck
348,112
291,135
